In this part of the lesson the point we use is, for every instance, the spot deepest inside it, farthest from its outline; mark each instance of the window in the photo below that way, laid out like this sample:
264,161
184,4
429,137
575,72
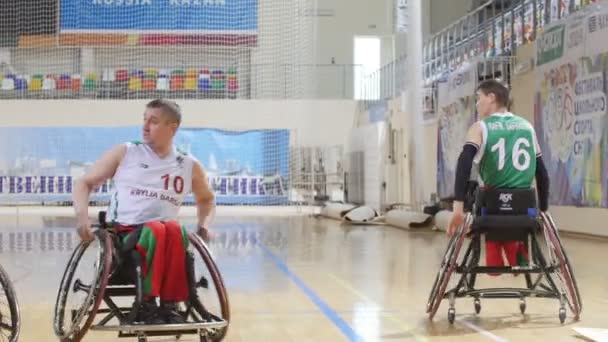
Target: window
367,65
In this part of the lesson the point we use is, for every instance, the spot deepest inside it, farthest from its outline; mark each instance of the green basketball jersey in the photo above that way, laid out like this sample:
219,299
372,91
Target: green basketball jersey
508,152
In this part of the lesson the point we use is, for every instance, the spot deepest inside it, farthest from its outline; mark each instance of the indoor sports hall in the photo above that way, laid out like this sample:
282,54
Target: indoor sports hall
331,134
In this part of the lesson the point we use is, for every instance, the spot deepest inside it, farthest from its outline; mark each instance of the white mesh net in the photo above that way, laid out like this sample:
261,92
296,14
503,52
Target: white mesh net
144,48
179,49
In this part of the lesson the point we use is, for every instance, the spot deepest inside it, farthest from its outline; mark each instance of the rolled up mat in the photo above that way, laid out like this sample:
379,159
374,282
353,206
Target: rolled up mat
336,210
361,214
442,219
403,218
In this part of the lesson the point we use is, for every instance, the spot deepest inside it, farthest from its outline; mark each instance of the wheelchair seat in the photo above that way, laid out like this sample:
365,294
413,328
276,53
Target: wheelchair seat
506,214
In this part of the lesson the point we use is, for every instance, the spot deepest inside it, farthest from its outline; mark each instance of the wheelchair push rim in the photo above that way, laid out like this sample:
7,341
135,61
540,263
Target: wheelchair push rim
447,268
558,255
94,295
15,321
440,275
218,282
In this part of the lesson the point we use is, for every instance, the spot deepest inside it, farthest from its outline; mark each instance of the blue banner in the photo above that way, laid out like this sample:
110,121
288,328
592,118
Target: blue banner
159,16
41,164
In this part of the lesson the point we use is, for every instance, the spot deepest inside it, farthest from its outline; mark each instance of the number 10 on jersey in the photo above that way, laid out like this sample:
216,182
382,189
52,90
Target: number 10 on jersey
178,183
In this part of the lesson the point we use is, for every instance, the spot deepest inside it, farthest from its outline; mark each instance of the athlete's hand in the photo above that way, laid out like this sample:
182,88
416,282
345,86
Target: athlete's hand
206,234
456,221
85,232
457,218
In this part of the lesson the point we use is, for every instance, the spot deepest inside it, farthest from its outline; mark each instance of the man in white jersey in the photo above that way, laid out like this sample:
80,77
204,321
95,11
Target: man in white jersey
150,181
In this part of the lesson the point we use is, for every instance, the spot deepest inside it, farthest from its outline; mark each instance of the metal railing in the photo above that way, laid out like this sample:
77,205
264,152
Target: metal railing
493,30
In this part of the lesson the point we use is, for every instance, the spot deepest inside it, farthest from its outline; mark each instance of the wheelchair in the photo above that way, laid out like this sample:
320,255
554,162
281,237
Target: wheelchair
506,215
10,319
206,312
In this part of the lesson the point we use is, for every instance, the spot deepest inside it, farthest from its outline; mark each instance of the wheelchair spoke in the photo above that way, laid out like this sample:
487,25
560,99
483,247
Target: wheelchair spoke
77,299
203,283
5,326
79,286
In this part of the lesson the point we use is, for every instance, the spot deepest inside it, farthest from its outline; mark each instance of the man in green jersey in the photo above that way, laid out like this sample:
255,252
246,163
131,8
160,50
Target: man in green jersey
507,151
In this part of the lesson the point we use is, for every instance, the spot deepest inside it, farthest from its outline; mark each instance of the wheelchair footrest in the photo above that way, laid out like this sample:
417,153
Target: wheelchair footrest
508,293
170,329
508,270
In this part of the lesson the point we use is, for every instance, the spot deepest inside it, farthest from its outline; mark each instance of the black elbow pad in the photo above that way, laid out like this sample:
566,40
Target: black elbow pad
542,184
463,170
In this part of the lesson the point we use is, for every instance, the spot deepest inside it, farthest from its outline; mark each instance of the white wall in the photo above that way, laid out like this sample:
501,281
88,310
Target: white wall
352,18
334,38
314,123
445,12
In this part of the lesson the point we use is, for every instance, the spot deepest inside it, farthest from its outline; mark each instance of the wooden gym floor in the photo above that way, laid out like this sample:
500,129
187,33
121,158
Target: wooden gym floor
299,278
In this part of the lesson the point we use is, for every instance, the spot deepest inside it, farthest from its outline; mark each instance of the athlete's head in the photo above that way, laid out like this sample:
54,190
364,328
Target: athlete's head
492,97
161,121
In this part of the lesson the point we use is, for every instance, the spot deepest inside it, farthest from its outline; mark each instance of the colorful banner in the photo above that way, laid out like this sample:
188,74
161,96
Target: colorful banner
570,108
456,105
518,25
159,16
529,33
41,164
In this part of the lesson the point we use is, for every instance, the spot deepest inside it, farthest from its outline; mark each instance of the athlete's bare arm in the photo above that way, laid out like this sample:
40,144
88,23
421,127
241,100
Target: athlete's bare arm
204,197
474,134
101,170
538,151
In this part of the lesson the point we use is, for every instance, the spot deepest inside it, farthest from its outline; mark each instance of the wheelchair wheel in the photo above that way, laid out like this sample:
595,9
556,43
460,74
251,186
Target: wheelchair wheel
10,321
565,273
203,303
448,265
71,324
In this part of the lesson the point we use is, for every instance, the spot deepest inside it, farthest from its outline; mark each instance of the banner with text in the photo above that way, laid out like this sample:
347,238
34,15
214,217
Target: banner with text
159,16
41,164
456,105
570,108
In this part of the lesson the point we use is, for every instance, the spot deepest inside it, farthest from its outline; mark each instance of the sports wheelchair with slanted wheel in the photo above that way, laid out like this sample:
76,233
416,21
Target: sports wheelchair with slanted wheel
109,281
506,215
10,319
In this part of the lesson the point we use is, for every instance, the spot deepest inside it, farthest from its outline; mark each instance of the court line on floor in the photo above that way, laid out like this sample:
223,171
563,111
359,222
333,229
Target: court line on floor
314,312
403,325
480,330
346,329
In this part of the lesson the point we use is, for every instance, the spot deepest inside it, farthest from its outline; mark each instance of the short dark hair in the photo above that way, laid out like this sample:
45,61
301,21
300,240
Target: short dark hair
500,91
169,108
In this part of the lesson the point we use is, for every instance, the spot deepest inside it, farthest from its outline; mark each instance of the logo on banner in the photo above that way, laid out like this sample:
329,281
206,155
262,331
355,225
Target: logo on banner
551,45
597,22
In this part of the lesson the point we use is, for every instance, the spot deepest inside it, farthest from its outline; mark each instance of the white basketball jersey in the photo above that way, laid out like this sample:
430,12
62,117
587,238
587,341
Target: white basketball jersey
147,188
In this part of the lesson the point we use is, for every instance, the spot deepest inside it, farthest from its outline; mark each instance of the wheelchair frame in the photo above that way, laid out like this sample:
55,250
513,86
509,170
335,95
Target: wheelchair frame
565,290
209,326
